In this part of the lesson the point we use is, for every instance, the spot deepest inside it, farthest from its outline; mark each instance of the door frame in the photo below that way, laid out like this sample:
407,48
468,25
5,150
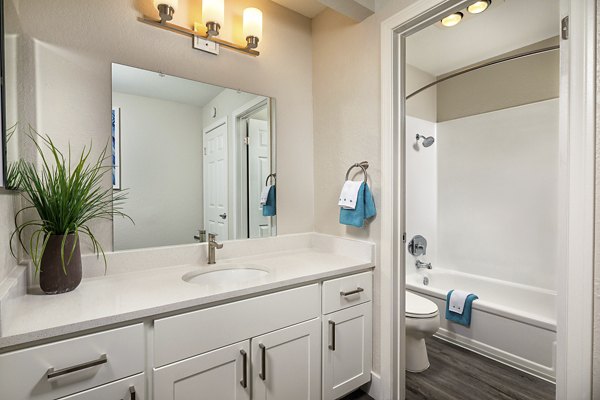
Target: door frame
239,185
576,202
219,122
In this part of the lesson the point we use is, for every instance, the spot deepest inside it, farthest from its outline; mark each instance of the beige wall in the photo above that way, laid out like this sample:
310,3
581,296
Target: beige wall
162,170
347,113
77,40
497,87
424,104
7,212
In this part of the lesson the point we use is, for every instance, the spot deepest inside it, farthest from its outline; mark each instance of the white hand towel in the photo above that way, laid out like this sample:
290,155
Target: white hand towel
349,195
457,301
264,194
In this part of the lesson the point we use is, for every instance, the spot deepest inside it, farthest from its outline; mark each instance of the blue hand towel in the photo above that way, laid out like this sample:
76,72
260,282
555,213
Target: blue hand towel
269,207
465,317
365,209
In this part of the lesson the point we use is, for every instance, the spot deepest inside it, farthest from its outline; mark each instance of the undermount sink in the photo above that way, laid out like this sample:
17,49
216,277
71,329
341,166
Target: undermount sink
231,273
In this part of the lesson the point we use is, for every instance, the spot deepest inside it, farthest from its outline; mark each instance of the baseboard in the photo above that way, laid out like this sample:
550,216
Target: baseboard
497,355
373,388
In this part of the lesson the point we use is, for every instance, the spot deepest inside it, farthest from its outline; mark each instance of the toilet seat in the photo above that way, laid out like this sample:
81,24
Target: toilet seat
419,307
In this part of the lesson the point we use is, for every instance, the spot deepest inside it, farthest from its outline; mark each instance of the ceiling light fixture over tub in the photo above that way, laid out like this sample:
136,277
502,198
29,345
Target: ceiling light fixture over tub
452,19
479,6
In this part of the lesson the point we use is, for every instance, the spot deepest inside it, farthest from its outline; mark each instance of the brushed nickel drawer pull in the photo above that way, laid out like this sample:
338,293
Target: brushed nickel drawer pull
263,362
244,381
332,344
350,293
51,374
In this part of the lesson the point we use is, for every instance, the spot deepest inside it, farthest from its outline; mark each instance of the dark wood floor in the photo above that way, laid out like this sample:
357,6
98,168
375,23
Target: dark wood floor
358,395
456,373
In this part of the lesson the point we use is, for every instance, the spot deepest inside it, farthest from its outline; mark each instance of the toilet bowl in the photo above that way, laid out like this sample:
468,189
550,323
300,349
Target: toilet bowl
422,321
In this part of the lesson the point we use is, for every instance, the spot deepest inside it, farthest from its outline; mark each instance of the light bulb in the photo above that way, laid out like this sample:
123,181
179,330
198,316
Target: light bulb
213,11
479,6
452,19
253,23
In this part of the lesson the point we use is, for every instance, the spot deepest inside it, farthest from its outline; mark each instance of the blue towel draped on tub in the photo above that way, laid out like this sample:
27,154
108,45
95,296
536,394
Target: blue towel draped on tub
465,317
269,208
365,209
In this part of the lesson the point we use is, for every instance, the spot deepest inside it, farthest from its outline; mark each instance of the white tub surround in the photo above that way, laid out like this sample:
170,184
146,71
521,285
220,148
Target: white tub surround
148,283
512,323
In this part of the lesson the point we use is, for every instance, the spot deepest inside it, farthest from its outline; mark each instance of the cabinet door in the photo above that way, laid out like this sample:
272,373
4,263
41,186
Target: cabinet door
286,363
132,388
222,374
347,350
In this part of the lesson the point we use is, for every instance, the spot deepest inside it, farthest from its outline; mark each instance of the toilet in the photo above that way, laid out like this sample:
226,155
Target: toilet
422,321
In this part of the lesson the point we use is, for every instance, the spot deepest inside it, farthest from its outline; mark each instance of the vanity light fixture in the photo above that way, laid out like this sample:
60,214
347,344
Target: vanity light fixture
166,9
479,6
213,16
452,19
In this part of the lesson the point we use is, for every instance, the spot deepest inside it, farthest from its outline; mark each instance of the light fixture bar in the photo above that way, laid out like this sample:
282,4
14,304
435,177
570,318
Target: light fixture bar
191,33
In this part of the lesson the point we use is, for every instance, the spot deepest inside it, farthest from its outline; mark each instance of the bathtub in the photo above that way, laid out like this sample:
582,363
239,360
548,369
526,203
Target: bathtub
511,323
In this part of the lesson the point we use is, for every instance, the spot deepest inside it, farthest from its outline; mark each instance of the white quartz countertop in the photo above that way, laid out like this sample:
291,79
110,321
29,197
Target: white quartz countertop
107,300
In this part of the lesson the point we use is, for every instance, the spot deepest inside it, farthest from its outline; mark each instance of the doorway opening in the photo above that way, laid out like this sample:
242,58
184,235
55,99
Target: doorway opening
408,164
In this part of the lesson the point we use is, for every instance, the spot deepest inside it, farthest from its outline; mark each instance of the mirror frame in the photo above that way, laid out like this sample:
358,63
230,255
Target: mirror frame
3,155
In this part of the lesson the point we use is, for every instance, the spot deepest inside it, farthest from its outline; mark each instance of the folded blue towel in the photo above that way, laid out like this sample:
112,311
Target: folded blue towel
269,207
365,209
465,317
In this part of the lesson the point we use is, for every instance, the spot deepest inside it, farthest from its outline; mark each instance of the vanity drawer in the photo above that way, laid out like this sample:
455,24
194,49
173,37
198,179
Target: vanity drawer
59,369
130,388
187,335
347,291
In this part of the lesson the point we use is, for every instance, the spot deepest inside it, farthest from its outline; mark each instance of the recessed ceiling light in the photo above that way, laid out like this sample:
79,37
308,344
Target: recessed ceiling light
479,6
452,19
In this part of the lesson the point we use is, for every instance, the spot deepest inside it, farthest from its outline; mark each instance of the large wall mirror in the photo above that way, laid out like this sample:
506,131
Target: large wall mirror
192,156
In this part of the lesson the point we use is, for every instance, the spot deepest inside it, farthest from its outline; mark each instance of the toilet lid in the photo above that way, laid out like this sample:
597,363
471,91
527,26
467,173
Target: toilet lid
419,307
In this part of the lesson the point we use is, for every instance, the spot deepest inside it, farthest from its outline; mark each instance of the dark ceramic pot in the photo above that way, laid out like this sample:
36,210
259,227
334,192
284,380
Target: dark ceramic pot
53,279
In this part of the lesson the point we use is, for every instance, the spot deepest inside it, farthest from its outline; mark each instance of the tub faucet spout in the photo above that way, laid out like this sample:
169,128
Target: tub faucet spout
420,264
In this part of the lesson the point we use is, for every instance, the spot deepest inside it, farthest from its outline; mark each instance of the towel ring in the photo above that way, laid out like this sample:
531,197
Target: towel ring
274,176
362,165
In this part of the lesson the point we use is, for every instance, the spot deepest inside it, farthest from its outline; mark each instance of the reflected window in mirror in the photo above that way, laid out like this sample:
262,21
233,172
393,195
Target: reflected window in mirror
193,157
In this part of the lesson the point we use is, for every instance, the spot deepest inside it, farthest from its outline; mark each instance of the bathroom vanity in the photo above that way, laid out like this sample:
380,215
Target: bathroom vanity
298,329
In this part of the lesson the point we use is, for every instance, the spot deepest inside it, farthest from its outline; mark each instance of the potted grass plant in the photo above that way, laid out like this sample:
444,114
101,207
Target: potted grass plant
66,194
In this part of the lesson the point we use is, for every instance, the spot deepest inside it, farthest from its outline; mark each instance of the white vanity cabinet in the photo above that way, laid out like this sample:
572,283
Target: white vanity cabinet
221,374
284,364
70,366
347,334
132,388
309,342
287,364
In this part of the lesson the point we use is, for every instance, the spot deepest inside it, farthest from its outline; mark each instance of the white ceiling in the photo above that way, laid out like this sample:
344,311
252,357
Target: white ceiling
507,25
308,8
150,84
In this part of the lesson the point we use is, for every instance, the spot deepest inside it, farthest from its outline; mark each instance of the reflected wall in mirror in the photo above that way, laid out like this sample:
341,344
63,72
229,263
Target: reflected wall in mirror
192,156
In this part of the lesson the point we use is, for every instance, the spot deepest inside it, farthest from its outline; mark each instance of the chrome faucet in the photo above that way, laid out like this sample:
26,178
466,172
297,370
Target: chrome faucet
212,245
420,264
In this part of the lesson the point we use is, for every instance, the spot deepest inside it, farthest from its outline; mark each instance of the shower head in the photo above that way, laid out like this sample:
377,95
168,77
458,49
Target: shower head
427,140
